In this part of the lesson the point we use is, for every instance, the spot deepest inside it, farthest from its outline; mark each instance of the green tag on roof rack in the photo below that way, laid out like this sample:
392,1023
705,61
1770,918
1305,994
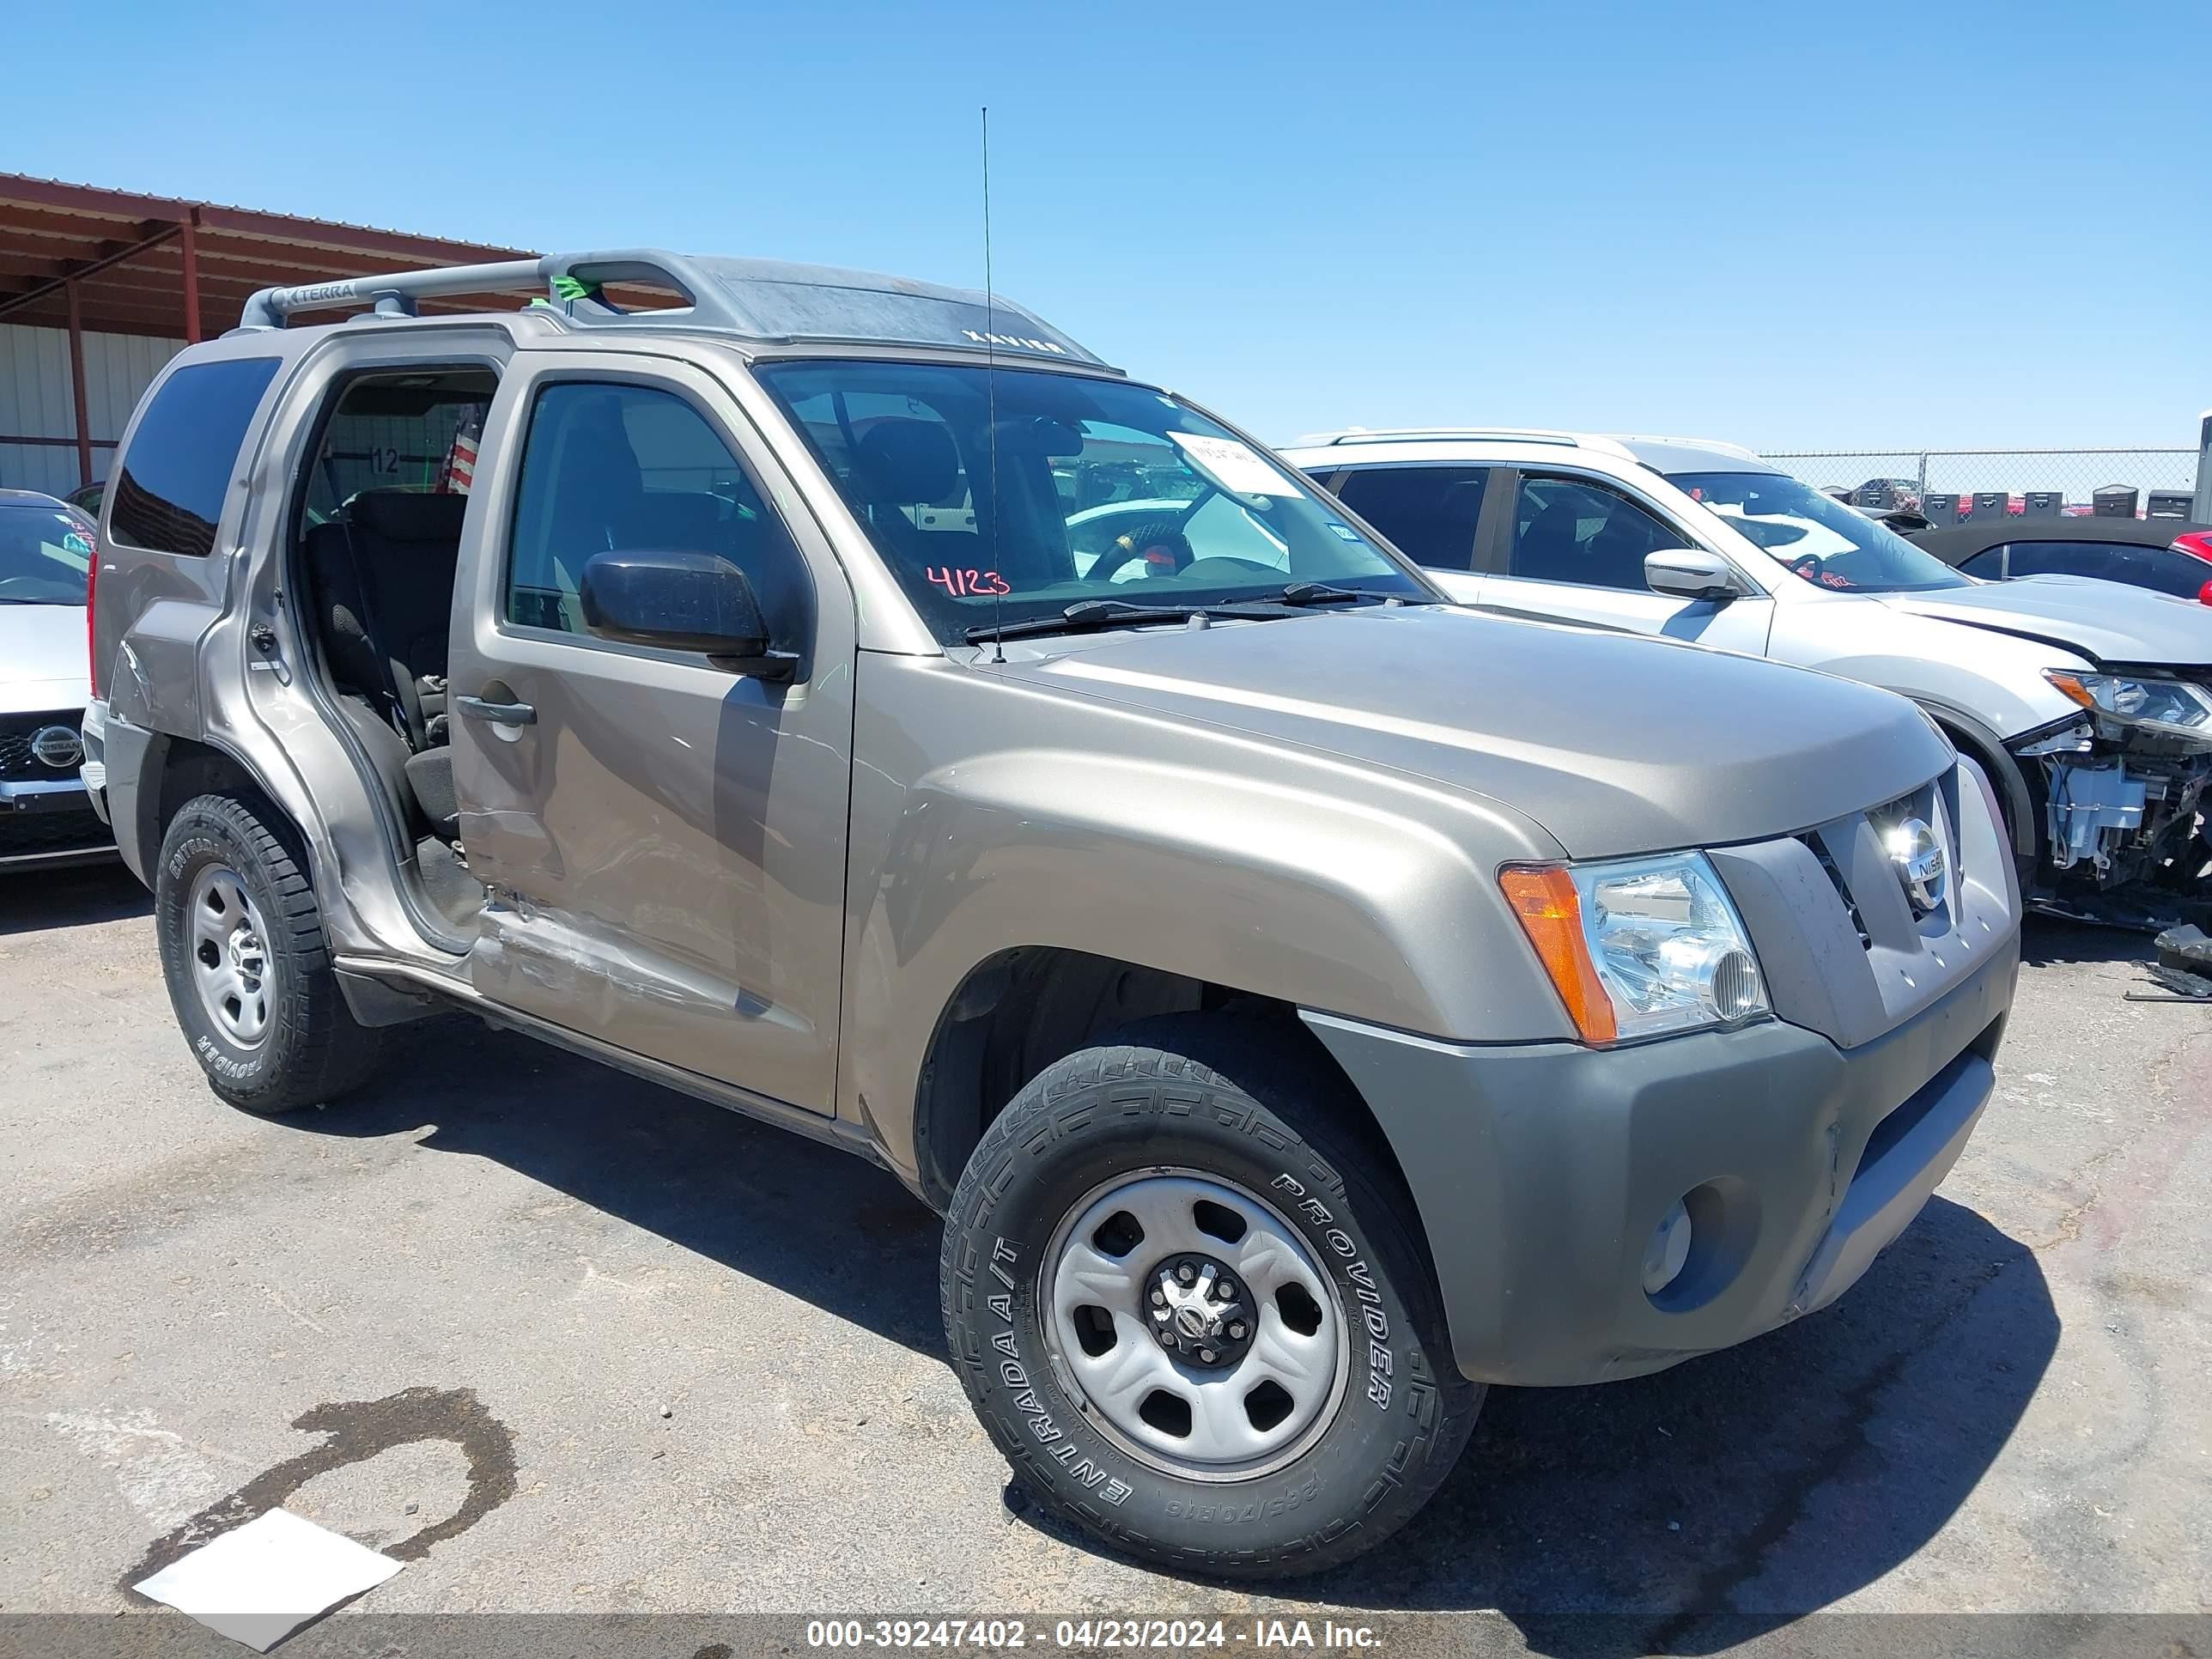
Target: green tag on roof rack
569,288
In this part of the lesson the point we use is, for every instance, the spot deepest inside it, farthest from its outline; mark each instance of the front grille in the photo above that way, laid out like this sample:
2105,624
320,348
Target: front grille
16,730
80,830
1812,843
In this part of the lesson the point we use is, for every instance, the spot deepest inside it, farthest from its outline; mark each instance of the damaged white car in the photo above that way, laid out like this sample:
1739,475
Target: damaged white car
2089,703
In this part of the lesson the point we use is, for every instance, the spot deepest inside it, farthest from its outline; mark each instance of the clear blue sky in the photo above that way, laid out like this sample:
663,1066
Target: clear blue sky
1794,226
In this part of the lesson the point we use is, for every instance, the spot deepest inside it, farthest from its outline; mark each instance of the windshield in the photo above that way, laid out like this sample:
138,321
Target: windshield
46,556
1104,489
1816,536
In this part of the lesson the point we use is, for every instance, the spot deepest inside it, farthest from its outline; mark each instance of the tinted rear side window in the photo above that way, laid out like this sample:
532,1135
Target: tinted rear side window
1429,512
169,493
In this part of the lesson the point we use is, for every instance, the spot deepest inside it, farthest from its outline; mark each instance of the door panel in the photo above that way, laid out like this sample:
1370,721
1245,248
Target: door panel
663,840
1575,551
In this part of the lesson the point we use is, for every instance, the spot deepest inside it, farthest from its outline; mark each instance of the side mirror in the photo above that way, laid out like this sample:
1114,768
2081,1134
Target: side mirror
682,602
1690,572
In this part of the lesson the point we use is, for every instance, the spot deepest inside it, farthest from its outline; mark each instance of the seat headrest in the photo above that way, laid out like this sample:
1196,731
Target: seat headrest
408,515
904,463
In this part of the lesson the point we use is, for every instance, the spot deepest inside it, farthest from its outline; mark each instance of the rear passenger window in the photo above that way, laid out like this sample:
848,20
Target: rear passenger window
611,467
169,493
1430,513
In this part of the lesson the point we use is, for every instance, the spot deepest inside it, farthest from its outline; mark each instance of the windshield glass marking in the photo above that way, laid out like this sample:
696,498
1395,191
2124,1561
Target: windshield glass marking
1104,489
1817,537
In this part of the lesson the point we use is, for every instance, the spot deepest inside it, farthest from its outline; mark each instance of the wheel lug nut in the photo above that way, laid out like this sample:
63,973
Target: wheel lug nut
1167,1336
1185,1273
1236,1330
1159,1296
1225,1289
1206,1354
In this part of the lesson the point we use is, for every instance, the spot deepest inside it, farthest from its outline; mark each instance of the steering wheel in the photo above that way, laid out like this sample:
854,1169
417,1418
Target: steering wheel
1156,541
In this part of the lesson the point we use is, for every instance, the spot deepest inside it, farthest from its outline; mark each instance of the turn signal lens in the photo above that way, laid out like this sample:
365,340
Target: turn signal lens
1550,912
2070,685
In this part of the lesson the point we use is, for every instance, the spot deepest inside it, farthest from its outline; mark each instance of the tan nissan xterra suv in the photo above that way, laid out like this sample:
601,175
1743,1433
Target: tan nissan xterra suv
1307,1001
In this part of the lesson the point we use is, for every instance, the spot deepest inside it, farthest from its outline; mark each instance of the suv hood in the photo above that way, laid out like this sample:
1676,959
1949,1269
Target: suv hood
1614,743
2105,622
44,663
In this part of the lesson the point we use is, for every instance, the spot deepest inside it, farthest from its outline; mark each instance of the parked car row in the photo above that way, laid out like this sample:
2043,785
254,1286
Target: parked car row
1309,1000
2088,703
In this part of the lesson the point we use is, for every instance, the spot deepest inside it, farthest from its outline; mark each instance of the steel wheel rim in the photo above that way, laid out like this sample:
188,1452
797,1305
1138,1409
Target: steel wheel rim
227,952
1301,1348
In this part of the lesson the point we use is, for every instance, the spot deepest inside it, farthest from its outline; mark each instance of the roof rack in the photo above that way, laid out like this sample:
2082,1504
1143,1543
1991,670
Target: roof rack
757,300
1402,435
1716,445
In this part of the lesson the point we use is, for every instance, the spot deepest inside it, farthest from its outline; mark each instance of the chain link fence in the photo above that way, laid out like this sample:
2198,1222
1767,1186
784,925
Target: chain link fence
2065,480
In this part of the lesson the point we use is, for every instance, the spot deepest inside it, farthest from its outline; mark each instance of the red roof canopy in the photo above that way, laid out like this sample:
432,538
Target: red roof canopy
132,256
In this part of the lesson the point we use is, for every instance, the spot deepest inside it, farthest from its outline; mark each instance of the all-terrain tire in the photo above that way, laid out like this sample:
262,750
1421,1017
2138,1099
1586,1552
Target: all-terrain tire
311,1049
1253,1104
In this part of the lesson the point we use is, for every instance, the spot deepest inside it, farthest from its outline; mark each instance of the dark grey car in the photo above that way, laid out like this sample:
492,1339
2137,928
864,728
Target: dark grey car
1308,1002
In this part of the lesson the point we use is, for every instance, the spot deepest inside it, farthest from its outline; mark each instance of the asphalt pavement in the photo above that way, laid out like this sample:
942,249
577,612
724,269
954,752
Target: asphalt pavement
570,1344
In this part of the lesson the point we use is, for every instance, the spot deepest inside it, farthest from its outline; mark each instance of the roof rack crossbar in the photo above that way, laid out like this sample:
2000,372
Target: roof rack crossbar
271,307
1416,434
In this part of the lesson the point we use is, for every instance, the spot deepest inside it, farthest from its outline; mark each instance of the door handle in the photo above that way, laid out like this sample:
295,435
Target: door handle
500,713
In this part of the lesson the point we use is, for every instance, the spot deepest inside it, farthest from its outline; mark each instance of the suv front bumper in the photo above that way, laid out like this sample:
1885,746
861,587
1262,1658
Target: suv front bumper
1541,1171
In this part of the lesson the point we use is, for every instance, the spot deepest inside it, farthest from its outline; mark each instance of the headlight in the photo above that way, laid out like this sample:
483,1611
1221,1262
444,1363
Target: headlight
1638,947
2168,705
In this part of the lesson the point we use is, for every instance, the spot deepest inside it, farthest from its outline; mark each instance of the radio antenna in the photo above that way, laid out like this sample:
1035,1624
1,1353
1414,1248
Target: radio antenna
991,396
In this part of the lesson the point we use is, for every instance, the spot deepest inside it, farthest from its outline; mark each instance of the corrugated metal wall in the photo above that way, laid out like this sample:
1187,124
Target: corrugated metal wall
35,401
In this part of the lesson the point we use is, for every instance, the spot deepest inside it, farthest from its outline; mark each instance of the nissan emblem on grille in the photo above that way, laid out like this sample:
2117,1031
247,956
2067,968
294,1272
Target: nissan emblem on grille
1918,857
57,746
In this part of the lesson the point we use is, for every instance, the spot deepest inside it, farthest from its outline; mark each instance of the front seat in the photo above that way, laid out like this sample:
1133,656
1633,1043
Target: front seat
1549,550
900,464
1616,552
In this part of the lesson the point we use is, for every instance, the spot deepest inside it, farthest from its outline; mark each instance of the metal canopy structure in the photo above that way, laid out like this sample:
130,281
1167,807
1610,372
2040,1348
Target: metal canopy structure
84,259
159,264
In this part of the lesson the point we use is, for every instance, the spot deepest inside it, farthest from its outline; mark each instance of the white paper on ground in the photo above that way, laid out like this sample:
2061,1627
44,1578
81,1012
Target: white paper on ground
1237,468
260,1582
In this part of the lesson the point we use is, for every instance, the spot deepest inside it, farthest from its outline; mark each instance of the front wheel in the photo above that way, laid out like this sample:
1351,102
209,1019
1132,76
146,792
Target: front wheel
1181,1294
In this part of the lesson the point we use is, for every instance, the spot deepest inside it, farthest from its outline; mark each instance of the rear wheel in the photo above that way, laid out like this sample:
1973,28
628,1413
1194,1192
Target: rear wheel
1184,1298
247,968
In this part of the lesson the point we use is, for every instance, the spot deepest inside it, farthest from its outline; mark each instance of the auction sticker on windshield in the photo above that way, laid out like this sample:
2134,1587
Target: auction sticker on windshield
1236,467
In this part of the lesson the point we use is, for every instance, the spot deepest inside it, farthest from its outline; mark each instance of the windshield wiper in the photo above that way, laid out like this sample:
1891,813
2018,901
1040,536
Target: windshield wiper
1322,594
1091,616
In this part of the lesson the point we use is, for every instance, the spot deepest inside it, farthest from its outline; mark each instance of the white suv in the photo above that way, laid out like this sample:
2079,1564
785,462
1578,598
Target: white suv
2089,703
